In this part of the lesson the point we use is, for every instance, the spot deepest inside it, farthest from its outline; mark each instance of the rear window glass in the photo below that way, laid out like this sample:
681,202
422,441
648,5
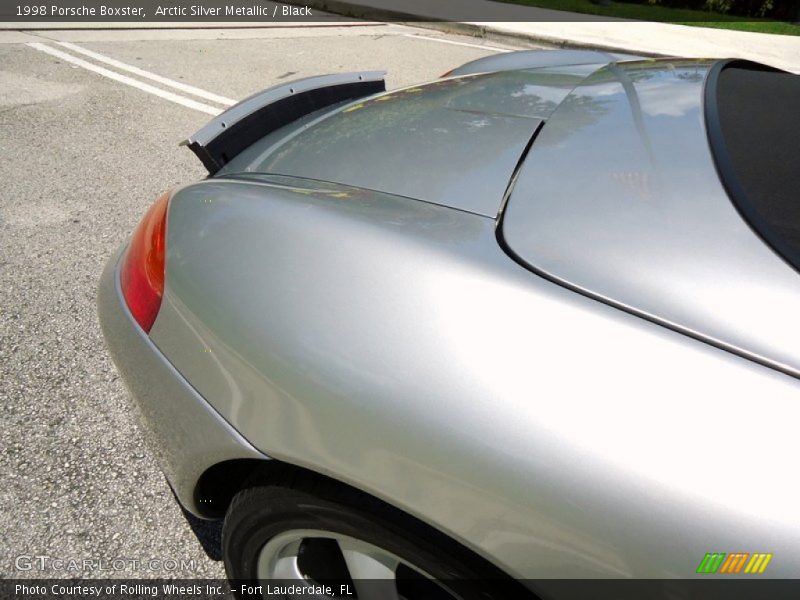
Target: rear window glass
753,117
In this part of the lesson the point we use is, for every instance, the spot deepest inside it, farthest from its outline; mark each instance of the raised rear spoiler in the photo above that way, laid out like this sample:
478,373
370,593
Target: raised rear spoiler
227,134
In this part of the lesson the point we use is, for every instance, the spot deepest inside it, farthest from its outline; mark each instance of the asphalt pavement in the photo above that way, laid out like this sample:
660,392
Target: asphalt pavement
89,128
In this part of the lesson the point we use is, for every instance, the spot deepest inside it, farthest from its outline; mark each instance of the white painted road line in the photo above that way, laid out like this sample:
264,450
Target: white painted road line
455,43
176,98
189,89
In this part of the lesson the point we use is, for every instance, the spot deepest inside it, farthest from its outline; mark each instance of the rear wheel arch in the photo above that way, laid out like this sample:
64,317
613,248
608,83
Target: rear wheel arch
222,483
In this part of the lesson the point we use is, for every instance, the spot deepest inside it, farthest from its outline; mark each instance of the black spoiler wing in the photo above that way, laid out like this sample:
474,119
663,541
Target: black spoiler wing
227,134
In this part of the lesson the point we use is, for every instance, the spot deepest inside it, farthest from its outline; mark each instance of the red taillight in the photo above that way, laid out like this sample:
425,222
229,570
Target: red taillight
142,273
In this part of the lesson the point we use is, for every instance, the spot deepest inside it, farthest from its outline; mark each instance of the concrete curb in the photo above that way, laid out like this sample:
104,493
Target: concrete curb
484,31
568,30
357,11
497,34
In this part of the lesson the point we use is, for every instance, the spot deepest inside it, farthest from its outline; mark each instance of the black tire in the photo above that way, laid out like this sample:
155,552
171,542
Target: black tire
304,501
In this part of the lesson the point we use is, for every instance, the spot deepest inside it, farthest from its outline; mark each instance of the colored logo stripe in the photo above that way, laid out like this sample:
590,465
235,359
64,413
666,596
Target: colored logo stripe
758,564
711,562
734,562
720,562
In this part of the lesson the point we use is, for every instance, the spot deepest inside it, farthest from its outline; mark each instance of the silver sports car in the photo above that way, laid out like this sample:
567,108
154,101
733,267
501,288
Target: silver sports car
534,320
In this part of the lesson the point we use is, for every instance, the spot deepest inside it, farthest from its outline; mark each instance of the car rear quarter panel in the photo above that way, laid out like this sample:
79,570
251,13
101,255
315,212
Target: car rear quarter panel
392,344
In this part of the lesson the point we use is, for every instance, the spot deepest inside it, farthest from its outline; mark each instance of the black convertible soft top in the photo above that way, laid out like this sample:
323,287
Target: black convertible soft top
753,117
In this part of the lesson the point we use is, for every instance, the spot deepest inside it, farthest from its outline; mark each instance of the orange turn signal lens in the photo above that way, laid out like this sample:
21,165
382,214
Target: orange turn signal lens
144,264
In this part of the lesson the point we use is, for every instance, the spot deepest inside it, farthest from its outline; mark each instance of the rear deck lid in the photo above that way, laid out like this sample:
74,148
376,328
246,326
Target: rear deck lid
454,142
620,198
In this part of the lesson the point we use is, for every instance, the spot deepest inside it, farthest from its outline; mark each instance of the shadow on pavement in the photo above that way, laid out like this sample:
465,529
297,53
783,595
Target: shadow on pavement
209,534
